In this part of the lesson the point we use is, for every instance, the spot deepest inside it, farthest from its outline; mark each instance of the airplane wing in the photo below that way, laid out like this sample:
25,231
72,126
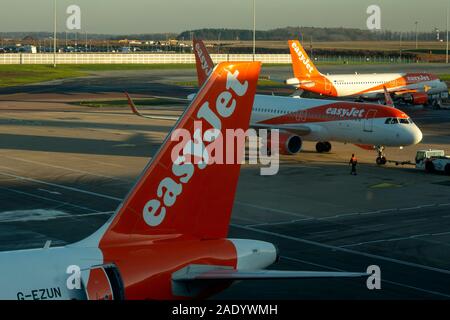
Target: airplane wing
136,111
425,89
270,78
188,99
295,129
234,275
401,92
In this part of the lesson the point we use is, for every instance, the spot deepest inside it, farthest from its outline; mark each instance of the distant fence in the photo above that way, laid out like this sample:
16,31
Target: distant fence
167,58
131,58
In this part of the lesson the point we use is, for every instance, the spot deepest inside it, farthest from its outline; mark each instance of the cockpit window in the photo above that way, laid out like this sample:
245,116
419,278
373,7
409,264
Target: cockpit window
398,120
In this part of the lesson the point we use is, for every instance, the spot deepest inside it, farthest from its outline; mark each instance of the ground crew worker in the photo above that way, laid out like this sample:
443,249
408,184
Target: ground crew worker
353,162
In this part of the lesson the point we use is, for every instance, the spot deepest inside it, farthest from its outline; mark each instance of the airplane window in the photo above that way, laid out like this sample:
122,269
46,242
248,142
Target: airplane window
404,121
394,121
388,121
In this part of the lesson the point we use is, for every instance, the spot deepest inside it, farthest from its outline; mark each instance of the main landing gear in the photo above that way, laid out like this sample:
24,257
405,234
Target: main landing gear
323,147
381,159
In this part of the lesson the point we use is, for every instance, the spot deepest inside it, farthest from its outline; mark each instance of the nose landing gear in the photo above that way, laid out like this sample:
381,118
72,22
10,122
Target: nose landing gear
323,147
381,159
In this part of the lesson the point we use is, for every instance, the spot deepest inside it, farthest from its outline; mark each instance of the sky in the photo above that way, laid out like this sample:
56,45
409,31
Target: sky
158,16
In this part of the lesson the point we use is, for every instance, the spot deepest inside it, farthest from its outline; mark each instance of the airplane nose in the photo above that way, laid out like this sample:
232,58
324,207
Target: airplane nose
416,135
410,135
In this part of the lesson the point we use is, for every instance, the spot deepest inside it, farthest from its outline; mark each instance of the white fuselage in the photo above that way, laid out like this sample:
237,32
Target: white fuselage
42,274
371,85
366,128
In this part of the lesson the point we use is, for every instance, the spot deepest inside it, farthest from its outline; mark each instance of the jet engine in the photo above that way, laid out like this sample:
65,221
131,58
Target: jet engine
288,144
417,98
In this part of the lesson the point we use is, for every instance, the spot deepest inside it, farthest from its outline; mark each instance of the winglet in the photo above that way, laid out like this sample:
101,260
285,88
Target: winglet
136,111
132,105
203,61
387,98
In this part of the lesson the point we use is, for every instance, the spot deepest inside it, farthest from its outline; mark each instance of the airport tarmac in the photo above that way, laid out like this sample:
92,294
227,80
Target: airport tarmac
64,169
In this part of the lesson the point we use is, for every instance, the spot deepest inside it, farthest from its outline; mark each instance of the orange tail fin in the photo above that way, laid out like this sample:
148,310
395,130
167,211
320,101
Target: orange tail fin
302,66
177,195
203,61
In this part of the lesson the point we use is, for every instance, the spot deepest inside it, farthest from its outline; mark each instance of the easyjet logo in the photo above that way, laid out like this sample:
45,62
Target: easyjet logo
418,78
196,146
346,112
203,61
302,57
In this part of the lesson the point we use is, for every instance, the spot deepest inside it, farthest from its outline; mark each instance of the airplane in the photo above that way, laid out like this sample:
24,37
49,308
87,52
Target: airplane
413,88
168,238
368,126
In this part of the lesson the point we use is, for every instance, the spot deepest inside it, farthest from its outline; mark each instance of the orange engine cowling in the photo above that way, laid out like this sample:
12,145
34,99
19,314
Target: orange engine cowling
288,144
417,98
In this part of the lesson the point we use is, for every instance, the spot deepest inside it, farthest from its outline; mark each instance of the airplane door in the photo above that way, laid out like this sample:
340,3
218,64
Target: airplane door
103,283
368,121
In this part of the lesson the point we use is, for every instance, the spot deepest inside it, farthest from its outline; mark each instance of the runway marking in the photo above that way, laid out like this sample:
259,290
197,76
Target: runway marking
415,236
280,223
85,215
241,218
41,215
415,220
359,213
350,251
273,210
322,232
65,168
30,215
62,187
444,205
418,207
49,191
343,214
382,279
307,218
312,264
48,199
300,166
10,169
99,162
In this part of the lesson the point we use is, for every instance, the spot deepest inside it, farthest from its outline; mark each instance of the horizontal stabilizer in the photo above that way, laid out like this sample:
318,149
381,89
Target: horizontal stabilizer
228,274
